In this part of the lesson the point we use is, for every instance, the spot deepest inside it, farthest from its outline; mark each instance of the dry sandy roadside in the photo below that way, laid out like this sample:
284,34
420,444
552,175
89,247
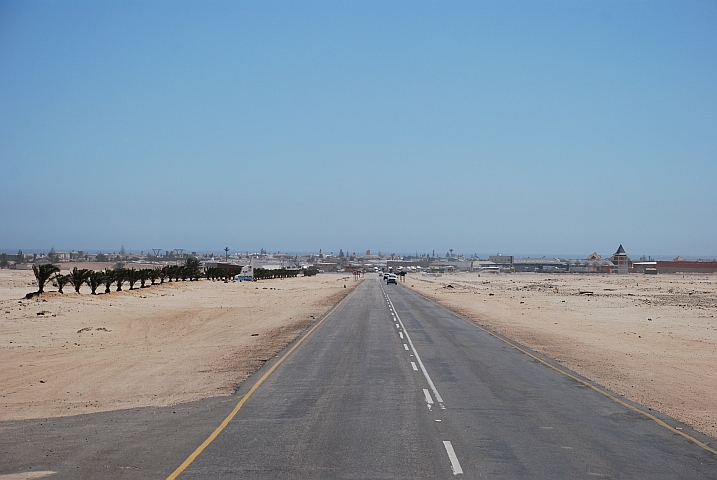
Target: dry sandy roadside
652,339
160,345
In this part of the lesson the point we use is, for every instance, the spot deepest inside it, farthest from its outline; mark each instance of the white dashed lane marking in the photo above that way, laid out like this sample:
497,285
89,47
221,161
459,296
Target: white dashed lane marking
455,464
436,395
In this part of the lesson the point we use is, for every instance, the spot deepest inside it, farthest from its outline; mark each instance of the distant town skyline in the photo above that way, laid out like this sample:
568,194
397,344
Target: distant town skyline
438,253
514,127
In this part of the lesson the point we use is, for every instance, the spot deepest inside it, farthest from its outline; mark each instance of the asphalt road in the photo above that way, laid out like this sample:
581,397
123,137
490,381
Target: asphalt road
387,386
393,386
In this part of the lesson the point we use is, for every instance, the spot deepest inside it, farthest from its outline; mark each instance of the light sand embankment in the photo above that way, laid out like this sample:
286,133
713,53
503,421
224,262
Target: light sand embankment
652,339
160,345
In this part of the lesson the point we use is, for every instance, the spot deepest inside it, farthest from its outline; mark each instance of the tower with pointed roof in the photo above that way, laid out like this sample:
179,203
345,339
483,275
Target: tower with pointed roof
621,261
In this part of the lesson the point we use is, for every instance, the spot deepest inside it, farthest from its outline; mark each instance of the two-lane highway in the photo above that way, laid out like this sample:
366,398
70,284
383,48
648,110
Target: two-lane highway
346,404
391,385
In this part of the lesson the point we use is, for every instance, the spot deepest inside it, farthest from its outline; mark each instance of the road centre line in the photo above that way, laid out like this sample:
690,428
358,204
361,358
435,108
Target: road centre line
455,464
400,334
405,346
245,397
427,394
439,399
413,365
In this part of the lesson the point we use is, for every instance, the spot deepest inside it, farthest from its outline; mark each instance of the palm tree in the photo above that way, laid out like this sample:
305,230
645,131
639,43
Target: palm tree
143,275
78,276
120,276
109,279
60,281
192,268
163,273
132,277
209,273
174,272
94,280
168,271
43,274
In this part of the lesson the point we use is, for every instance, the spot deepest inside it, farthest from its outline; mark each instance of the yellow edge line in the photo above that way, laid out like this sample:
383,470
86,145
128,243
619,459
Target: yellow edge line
587,384
233,413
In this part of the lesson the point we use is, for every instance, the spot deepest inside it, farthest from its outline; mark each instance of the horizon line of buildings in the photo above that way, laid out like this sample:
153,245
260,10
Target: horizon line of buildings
618,263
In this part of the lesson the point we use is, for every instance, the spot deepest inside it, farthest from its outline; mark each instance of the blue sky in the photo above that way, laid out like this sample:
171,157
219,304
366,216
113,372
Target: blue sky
512,127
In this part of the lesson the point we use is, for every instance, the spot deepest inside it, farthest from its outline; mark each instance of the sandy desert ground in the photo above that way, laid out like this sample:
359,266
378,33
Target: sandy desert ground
65,354
651,338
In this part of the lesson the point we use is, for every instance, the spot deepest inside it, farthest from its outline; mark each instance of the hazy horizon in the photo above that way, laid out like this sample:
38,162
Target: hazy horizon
551,126
482,255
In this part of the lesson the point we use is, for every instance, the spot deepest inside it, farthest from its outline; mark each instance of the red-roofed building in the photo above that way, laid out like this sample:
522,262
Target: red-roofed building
620,261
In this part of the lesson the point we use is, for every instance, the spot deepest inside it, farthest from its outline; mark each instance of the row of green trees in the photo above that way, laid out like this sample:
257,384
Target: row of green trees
118,277
264,274
215,273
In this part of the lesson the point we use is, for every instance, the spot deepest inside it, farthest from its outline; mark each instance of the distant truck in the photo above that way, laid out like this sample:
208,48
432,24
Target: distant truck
246,274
